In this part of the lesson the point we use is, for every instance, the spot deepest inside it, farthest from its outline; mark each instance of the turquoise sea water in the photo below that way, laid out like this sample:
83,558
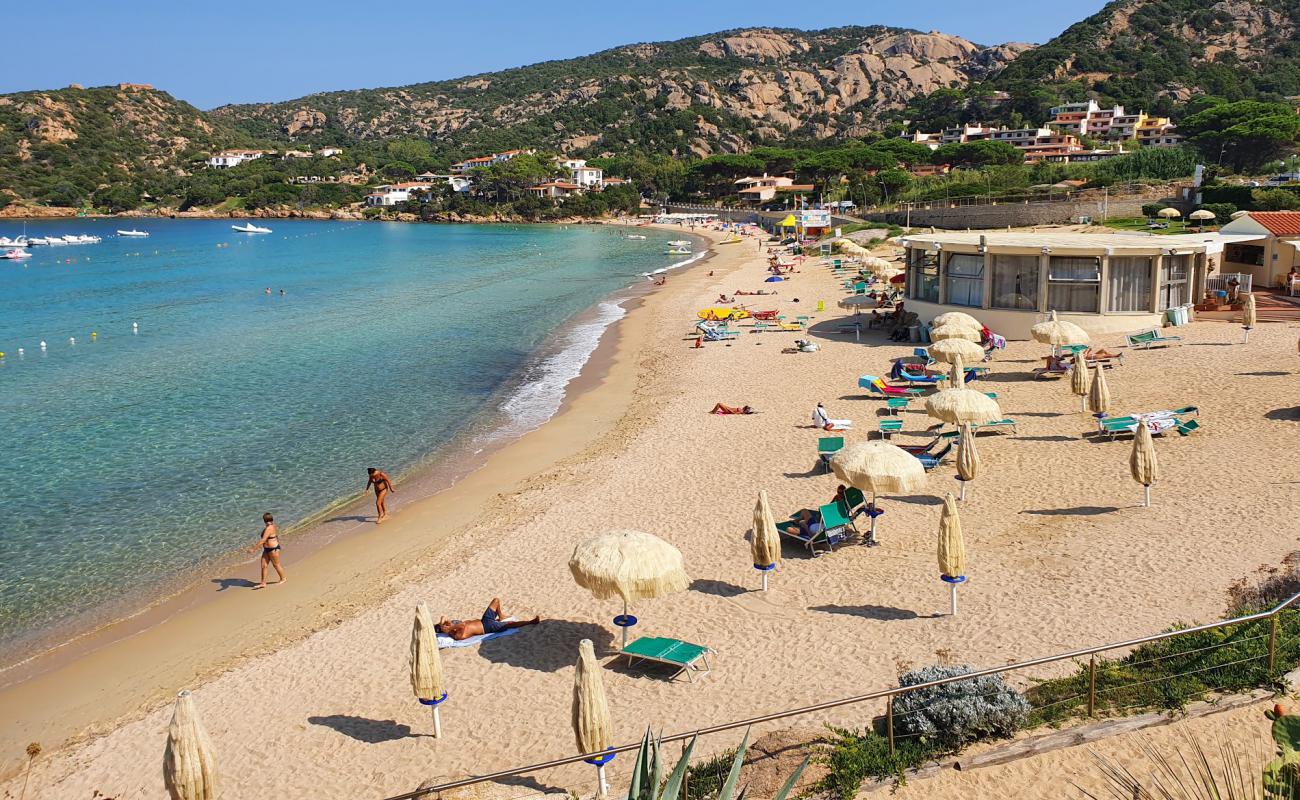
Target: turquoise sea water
131,457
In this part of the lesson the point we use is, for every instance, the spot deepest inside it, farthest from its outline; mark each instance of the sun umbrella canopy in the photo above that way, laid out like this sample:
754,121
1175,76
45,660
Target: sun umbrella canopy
959,318
954,332
1169,213
628,564
946,350
850,246
879,467
1058,332
878,265
592,730
952,546
789,222
427,680
189,771
960,405
1142,462
1099,396
1249,316
968,458
766,544
855,300
1201,213
899,278
775,279
1079,376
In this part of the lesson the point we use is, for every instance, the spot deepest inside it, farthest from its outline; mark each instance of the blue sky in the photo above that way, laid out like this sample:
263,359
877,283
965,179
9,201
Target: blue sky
235,51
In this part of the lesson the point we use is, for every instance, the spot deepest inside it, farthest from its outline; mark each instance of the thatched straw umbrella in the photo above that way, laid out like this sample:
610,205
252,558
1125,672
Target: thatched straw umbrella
427,680
765,546
592,729
1099,397
946,350
189,771
960,318
959,405
1058,332
1249,317
1142,464
968,458
878,266
878,467
631,565
1169,213
952,549
1079,380
955,331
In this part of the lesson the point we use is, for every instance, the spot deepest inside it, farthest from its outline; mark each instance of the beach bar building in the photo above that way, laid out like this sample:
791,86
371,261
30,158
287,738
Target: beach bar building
1267,245
1104,282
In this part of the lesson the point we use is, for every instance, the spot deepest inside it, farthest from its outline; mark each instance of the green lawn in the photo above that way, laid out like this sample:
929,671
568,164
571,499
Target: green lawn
1140,224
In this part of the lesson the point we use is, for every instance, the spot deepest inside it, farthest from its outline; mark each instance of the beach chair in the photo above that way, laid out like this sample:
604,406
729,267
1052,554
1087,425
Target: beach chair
1185,410
889,426
931,460
897,404
920,449
1000,425
1186,428
681,656
835,523
828,446
875,385
791,326
1151,338
1113,426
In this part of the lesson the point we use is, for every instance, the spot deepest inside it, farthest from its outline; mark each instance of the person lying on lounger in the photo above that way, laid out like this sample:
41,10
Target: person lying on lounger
806,525
492,621
724,410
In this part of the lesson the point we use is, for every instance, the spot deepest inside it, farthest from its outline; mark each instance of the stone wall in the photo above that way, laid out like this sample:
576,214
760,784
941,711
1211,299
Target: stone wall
1016,215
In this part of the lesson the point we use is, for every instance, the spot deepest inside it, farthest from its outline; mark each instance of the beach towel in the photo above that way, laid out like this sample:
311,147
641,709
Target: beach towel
446,642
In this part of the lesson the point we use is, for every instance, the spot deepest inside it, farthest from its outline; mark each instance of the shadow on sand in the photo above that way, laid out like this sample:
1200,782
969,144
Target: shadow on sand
1076,511
548,647
370,731
883,613
717,588
233,583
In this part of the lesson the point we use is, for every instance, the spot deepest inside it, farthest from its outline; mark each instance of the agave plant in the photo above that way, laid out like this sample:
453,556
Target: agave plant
1282,774
648,782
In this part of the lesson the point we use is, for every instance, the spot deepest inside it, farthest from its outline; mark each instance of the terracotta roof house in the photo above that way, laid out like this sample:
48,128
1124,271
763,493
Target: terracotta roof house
1273,251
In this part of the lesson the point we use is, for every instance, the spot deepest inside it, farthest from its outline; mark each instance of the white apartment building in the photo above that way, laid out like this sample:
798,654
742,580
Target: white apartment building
233,158
581,174
1019,137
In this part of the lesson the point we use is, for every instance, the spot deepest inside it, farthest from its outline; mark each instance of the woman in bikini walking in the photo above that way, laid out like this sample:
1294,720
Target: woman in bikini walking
270,544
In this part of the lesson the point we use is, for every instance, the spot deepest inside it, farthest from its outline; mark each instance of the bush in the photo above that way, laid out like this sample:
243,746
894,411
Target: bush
855,757
1151,209
956,714
1269,586
1276,200
1222,211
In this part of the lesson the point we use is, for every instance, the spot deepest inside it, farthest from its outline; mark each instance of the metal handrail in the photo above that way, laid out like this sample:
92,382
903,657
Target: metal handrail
876,695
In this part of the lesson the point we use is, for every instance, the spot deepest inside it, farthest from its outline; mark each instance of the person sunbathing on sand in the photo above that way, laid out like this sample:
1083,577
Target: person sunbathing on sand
721,409
492,621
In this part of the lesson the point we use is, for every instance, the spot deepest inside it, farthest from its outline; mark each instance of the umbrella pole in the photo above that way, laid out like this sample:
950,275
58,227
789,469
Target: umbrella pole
963,489
953,588
765,580
437,723
600,780
871,536
624,626
1146,487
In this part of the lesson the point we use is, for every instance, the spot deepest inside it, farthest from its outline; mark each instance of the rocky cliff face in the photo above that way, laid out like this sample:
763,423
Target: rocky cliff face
719,93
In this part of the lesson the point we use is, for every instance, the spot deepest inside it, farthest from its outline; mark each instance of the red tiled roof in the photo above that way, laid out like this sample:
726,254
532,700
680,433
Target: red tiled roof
1278,223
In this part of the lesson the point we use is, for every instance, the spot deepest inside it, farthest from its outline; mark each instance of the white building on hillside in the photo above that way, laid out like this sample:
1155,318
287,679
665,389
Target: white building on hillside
581,174
233,158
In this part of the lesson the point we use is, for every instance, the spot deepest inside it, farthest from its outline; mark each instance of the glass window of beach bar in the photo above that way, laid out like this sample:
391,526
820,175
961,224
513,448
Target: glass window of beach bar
923,274
964,280
1074,284
1128,283
1015,282
1175,272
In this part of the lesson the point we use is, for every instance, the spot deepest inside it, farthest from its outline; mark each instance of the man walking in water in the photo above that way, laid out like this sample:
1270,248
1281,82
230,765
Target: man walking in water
270,544
383,485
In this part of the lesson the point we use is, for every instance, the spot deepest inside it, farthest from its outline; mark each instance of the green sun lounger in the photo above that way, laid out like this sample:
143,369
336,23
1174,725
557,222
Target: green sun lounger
1002,424
1151,338
889,426
828,446
683,656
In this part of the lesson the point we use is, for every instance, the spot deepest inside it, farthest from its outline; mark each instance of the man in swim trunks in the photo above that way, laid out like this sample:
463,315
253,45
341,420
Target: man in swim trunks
383,485
492,621
270,544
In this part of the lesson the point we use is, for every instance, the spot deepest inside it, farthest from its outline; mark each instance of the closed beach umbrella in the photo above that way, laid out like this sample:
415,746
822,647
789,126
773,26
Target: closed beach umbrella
765,546
189,771
959,405
592,729
952,549
968,458
1079,380
1169,213
1248,316
1099,396
961,318
427,680
1057,332
947,349
630,565
878,467
955,331
1142,462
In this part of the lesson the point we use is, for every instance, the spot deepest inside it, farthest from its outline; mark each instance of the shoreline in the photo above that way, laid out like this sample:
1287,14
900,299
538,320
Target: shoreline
336,561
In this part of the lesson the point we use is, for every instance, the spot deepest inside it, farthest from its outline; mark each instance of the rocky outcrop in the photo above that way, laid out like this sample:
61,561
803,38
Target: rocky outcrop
304,120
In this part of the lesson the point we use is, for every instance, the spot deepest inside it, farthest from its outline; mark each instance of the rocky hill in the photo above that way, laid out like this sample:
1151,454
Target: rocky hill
1155,53
719,93
78,146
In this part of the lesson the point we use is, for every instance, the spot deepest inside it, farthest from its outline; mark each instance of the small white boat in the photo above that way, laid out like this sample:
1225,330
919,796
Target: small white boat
5,241
635,236
39,240
680,243
15,254
249,228
55,241
677,251
140,234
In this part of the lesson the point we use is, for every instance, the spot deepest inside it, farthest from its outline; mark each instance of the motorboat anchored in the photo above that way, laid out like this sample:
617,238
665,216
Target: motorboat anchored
15,254
249,228
135,233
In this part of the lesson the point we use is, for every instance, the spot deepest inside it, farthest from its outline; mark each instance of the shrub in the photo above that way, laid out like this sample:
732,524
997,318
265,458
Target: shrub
958,713
855,757
1269,586
1222,211
1151,209
1276,200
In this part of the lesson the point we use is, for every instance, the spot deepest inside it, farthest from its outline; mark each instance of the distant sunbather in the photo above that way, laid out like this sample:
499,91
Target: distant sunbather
492,621
725,410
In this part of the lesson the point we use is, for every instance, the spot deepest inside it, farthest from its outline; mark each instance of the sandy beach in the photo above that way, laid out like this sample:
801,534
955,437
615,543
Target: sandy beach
304,687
